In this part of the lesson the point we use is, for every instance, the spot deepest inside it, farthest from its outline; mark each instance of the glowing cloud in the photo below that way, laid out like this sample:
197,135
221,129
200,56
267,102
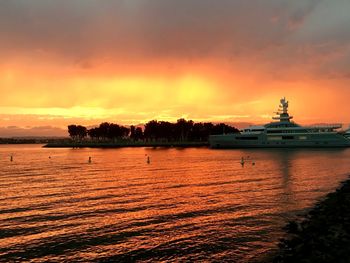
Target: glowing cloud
130,61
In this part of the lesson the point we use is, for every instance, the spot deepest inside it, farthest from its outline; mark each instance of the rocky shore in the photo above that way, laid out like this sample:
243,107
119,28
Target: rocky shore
323,235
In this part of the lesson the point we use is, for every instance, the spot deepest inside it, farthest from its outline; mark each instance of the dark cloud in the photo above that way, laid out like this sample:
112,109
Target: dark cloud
151,28
297,17
266,35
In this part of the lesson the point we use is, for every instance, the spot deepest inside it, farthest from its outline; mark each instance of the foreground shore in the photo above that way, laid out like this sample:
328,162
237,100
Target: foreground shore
124,144
323,235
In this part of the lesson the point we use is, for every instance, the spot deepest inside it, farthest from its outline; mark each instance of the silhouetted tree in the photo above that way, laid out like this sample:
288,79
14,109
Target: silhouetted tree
82,132
151,129
108,131
114,131
104,130
73,132
138,134
95,133
182,130
132,132
165,130
77,132
199,132
223,128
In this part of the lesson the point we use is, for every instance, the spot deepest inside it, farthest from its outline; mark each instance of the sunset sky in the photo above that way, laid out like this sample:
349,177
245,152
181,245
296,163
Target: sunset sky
130,61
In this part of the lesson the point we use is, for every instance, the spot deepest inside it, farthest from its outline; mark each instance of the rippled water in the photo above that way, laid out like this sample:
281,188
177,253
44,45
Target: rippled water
186,205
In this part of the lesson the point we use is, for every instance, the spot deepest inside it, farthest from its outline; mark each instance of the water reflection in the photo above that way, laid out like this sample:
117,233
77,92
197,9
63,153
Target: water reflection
284,161
187,205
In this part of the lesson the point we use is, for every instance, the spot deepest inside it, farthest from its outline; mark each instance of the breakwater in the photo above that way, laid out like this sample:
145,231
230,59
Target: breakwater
69,144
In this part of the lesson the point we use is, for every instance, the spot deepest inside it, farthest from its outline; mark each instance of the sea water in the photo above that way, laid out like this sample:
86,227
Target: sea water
193,204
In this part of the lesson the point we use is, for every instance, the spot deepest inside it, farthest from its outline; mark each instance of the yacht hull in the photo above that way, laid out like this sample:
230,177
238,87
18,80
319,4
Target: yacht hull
263,141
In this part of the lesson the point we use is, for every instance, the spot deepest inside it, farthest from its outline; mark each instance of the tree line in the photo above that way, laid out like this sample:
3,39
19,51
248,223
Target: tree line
154,130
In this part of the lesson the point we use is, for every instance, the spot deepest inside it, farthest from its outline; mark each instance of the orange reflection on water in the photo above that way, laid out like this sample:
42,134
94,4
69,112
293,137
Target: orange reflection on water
187,204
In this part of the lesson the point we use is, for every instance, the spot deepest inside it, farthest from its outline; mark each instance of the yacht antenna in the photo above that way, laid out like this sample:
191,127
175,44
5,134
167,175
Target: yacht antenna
283,111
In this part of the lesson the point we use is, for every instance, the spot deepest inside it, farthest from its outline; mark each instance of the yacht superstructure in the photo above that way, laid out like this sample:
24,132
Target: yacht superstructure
282,133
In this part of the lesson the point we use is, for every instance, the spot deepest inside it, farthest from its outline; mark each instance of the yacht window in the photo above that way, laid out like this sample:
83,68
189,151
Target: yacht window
274,131
274,138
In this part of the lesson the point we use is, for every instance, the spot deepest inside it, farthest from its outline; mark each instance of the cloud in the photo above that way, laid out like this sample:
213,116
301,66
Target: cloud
169,58
148,28
299,15
171,37
88,35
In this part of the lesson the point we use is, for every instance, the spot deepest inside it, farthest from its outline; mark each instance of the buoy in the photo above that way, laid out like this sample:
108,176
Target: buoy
253,163
148,160
11,158
242,161
89,159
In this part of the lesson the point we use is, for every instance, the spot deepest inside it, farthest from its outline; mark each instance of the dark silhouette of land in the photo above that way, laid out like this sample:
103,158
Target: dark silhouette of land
32,140
323,235
155,133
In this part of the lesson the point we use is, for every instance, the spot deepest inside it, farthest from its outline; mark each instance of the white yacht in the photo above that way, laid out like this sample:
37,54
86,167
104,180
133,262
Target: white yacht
347,133
283,133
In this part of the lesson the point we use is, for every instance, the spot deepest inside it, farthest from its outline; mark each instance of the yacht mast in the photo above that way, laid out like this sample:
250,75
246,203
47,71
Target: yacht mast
283,111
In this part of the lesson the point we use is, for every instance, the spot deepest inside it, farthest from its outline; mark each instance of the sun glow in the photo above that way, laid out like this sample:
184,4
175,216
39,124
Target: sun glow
194,90
137,98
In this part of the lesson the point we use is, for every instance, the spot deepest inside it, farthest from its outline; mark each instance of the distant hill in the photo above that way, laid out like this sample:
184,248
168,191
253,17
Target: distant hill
32,132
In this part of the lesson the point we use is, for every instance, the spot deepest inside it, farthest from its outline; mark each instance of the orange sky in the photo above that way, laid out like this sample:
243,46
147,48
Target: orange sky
127,62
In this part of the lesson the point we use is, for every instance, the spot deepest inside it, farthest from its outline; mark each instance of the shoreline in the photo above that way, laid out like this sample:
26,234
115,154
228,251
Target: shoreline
125,144
322,234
